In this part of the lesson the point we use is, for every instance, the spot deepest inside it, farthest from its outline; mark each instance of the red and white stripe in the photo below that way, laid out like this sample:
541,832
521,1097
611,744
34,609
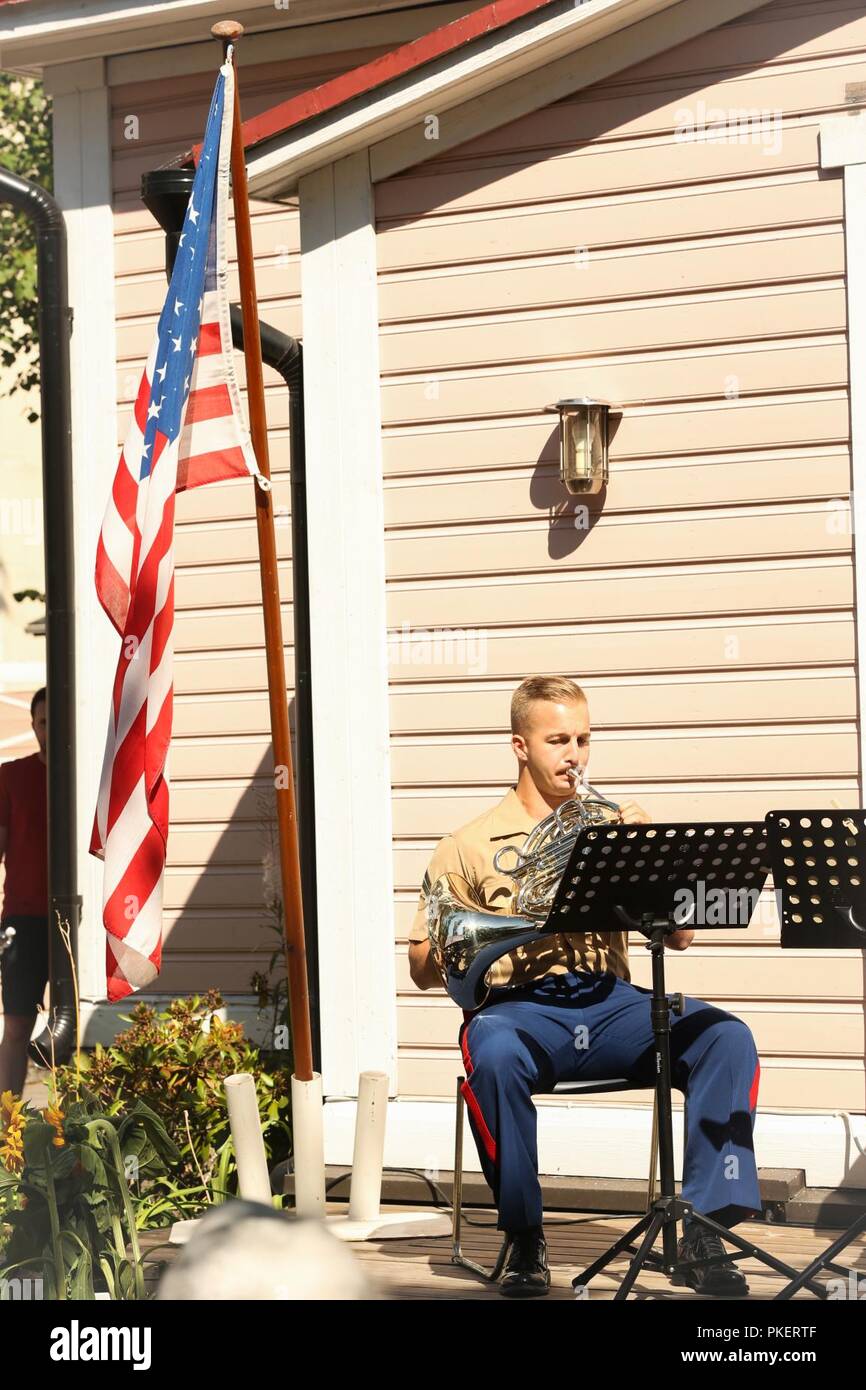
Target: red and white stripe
213,447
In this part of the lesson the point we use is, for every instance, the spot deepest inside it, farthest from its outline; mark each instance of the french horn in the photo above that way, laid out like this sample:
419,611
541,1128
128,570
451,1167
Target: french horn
466,940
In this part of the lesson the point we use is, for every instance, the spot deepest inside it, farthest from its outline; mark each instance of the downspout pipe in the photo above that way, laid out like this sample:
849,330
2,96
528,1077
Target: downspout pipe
165,194
55,326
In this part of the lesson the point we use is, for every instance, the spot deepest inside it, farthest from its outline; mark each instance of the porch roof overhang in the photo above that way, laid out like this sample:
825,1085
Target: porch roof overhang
36,34
544,52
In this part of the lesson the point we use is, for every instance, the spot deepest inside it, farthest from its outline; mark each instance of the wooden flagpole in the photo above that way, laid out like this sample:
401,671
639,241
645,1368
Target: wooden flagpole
287,822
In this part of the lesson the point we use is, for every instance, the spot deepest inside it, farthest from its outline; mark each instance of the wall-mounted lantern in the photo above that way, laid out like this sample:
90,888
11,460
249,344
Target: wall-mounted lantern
583,443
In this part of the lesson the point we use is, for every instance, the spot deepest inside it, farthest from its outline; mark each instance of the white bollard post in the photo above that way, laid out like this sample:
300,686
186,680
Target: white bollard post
364,1220
308,1146
249,1143
365,1194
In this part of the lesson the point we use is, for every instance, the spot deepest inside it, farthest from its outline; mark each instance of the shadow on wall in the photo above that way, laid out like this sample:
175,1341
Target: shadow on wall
222,903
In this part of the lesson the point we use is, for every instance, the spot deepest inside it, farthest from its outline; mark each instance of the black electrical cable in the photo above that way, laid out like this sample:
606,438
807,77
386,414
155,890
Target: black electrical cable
281,1170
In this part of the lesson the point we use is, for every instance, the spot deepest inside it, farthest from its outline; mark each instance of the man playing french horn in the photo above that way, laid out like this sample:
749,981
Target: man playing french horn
551,991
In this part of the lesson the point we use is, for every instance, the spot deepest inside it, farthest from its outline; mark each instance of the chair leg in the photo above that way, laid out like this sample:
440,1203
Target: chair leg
457,1256
654,1155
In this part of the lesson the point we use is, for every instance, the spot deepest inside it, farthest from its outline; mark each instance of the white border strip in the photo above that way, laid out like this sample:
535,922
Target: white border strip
603,1141
843,145
345,513
82,184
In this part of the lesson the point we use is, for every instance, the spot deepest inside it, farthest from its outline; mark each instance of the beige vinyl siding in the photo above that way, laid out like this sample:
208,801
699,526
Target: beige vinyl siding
707,604
220,764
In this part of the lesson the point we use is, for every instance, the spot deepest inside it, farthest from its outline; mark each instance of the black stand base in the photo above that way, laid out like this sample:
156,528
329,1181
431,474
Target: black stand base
662,1219
669,1209
825,1262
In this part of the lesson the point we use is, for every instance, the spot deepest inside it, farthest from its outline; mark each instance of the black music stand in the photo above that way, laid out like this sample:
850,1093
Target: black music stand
636,874
818,860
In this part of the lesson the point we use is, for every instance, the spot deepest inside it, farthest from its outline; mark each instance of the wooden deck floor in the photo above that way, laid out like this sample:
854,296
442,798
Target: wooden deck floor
421,1267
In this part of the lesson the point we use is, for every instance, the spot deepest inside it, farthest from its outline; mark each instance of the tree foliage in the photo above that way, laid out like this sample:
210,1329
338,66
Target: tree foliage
25,149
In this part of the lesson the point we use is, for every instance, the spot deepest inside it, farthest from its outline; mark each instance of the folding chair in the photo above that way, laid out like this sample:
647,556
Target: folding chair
563,1088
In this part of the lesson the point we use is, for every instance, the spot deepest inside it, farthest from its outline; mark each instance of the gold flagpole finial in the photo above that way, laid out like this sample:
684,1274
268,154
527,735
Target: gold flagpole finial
228,31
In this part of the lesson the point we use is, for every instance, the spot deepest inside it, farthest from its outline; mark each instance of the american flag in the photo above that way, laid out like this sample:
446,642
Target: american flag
187,429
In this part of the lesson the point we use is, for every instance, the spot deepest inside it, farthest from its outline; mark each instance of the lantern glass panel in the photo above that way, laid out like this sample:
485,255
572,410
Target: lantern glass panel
583,449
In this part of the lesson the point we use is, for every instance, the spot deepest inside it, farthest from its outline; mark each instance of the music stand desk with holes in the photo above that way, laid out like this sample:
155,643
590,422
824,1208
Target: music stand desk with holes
818,863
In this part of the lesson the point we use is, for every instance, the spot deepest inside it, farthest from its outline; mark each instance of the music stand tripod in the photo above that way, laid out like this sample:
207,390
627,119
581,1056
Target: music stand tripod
818,860
658,879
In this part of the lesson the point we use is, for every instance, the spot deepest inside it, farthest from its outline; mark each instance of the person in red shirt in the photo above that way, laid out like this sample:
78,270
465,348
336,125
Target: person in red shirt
24,844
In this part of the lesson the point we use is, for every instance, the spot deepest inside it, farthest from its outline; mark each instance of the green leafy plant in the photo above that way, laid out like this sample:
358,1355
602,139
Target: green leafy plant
175,1061
65,1201
136,1135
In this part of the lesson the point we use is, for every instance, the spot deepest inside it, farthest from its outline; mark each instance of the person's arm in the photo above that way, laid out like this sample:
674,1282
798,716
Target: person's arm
422,967
5,812
4,837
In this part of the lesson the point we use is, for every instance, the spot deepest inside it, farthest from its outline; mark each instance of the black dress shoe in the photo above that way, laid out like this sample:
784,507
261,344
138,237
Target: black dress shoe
526,1273
722,1280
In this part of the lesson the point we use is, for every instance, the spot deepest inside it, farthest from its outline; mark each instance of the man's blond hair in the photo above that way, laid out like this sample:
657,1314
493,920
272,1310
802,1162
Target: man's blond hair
558,689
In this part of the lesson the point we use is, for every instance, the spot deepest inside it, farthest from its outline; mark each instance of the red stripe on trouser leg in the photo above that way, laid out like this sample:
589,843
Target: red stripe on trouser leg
472,1100
753,1092
464,1048
486,1137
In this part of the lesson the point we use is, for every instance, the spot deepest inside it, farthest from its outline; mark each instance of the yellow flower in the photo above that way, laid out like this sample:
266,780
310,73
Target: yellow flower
12,1148
54,1116
9,1105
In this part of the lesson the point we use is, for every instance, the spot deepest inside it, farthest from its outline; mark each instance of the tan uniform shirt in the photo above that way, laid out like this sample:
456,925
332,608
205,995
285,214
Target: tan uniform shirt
468,854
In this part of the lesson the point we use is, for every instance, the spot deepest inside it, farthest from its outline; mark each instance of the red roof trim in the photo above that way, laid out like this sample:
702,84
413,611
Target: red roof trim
448,37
